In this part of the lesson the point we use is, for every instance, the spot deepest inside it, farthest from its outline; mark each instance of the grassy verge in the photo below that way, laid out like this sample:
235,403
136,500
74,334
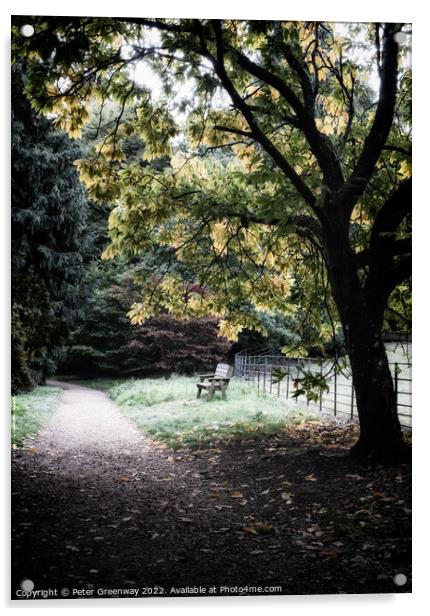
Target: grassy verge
168,410
31,411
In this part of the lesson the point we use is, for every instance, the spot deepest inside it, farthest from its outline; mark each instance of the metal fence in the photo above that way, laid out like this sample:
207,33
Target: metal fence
257,366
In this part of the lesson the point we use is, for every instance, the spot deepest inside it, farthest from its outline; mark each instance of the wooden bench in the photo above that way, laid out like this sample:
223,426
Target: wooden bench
217,381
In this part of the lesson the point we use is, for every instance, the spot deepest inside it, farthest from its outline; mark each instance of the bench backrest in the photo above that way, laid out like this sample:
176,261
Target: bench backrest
224,371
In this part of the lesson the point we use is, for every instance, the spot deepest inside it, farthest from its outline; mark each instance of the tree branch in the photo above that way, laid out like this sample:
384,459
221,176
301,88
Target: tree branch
394,210
240,104
375,140
153,23
398,273
302,74
301,221
388,255
288,119
235,131
397,148
397,248
319,143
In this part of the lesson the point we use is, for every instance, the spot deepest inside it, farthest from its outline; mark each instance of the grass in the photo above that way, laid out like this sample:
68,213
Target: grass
168,410
31,411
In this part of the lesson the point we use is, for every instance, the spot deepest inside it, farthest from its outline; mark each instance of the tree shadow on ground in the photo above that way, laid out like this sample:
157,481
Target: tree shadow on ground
291,510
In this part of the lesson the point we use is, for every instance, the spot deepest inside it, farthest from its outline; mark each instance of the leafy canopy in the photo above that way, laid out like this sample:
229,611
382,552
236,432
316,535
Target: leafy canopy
258,120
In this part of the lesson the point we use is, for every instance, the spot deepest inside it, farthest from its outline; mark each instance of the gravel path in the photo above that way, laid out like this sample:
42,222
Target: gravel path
88,424
86,493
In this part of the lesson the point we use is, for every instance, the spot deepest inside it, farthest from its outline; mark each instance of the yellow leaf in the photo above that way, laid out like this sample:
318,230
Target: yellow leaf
250,530
220,236
229,330
405,170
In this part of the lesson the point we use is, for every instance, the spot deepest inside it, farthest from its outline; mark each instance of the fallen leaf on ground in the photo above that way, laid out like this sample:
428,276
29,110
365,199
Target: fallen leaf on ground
260,526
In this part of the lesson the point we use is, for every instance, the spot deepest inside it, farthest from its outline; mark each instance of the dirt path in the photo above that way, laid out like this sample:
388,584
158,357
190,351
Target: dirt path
97,505
88,425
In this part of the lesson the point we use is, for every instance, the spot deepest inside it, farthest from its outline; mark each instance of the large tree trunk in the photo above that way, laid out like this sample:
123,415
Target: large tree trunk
380,431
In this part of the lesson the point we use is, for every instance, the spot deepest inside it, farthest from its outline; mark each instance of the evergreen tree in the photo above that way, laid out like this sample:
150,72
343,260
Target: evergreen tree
49,239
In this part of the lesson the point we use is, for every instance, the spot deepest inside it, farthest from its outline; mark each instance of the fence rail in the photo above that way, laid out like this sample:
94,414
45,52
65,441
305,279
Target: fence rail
257,367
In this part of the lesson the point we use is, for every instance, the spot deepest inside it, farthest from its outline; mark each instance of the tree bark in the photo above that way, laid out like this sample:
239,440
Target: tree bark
380,431
381,436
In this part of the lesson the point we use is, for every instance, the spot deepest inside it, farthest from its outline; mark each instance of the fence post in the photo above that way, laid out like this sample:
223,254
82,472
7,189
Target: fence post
321,394
264,375
298,374
352,398
288,381
335,393
271,376
396,382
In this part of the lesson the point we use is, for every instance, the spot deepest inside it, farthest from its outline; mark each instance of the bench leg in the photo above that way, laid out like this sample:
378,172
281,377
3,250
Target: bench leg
199,391
210,393
223,394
